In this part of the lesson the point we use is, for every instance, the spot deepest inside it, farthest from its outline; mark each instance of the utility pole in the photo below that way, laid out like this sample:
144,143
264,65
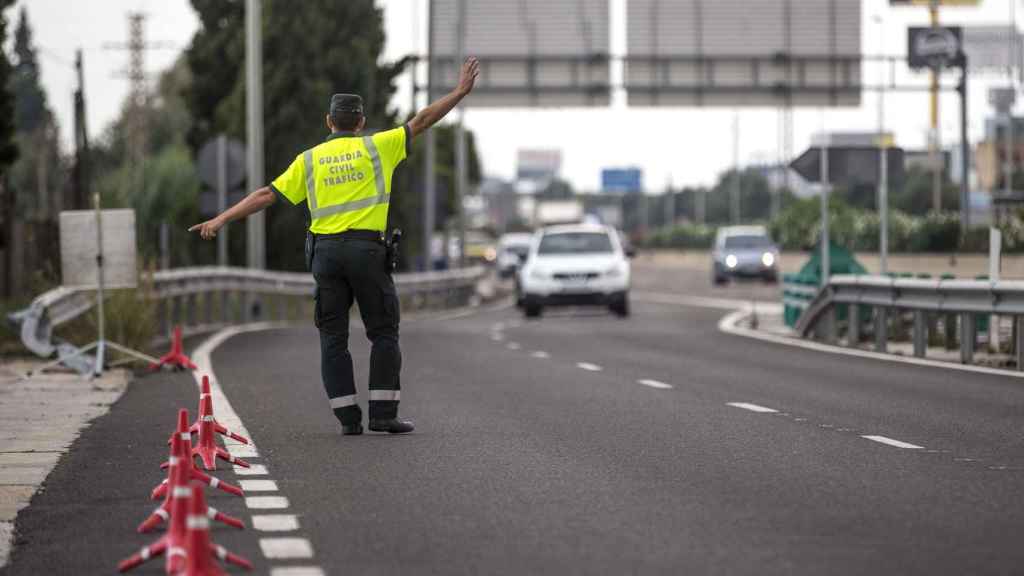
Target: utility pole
826,266
460,139
934,151
429,191
80,197
138,93
883,163
734,204
256,255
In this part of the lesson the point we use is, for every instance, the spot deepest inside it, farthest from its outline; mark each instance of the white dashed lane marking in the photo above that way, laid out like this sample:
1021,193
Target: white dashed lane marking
275,522
752,407
286,548
252,470
266,502
589,367
513,346
258,485
891,442
297,571
655,384
540,354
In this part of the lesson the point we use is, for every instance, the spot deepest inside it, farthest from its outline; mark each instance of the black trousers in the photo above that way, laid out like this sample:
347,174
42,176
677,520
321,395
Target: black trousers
348,270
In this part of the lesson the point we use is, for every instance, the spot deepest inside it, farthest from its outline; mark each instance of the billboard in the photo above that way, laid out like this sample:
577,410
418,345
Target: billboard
629,180
937,47
743,52
532,52
992,48
538,164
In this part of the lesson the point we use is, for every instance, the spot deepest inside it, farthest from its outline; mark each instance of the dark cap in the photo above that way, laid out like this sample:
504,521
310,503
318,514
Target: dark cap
346,104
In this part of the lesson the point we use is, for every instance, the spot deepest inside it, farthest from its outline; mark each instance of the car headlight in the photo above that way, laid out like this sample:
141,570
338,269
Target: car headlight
768,259
731,261
490,254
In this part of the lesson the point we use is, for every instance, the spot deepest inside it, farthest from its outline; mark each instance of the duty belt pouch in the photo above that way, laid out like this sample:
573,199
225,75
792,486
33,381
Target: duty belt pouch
391,251
310,247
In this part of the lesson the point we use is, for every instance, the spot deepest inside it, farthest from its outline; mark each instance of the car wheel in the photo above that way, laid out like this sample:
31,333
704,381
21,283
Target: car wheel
771,278
719,280
531,310
620,307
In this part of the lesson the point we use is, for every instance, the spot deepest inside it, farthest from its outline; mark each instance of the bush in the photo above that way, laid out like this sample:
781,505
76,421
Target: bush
129,315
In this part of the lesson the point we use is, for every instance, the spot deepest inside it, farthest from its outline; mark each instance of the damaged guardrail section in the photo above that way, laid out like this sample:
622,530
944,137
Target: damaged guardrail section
211,296
949,311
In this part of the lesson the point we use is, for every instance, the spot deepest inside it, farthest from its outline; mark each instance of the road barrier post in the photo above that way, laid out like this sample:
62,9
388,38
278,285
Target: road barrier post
853,325
881,329
920,334
968,334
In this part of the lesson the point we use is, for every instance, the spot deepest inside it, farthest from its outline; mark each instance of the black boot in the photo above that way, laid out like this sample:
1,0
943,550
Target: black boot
392,425
352,429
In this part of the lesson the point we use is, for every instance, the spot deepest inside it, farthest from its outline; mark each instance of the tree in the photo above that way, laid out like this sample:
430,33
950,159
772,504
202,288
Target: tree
8,154
308,54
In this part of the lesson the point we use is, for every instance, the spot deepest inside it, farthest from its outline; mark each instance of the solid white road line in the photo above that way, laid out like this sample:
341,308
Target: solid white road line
589,367
275,522
655,384
540,354
252,470
258,485
266,502
752,407
297,571
286,548
891,442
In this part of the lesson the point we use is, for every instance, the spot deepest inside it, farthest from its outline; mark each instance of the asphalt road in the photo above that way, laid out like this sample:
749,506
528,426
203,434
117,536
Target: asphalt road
582,443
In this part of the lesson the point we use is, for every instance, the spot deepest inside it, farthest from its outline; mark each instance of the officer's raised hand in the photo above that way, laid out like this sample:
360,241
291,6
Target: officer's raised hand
429,116
468,75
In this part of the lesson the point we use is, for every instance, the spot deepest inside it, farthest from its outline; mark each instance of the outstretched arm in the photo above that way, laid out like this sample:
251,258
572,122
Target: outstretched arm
251,204
430,115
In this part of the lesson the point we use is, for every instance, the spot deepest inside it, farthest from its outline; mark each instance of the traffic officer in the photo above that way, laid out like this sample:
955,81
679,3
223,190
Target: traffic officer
346,182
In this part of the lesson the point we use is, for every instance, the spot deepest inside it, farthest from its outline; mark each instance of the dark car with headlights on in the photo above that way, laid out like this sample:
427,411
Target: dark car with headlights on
744,252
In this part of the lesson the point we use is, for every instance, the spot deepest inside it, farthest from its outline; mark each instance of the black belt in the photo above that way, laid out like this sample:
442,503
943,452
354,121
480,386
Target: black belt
368,235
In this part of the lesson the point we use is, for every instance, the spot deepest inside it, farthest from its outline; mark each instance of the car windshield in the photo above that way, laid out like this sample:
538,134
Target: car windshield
518,249
575,243
747,242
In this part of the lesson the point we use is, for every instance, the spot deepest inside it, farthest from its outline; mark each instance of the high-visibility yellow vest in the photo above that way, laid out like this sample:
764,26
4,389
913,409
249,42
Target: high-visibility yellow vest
346,180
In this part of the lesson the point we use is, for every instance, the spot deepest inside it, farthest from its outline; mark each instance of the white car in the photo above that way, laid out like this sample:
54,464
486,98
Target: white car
575,265
512,251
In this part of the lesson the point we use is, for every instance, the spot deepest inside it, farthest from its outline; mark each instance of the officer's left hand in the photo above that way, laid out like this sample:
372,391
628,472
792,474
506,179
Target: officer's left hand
208,229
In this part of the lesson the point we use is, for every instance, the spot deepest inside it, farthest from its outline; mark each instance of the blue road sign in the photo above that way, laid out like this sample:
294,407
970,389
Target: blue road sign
628,180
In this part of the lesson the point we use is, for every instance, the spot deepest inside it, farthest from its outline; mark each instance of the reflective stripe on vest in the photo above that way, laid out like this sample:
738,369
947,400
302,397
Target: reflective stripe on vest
382,196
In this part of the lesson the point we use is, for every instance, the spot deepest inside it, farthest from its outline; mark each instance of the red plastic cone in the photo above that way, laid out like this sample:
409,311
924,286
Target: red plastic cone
173,542
206,447
188,467
199,550
176,357
205,393
179,476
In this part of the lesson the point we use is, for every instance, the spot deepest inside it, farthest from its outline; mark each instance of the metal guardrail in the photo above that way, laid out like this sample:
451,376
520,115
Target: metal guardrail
207,297
880,303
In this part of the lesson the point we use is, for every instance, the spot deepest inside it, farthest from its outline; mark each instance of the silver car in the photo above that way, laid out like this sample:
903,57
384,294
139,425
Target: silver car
744,252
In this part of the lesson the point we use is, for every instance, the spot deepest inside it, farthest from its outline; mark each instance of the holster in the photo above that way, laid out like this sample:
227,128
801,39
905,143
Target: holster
310,248
391,250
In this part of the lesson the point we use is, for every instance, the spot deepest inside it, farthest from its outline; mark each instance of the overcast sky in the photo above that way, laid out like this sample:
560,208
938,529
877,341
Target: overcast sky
678,145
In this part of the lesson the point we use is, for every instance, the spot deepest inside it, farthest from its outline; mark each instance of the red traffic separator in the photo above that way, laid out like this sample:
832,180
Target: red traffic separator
199,550
217,426
205,393
173,543
206,447
179,472
188,465
176,357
